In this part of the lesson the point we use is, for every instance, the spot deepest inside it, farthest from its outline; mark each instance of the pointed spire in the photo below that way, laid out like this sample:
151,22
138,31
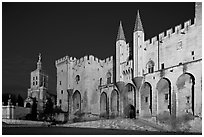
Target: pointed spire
39,64
138,23
120,35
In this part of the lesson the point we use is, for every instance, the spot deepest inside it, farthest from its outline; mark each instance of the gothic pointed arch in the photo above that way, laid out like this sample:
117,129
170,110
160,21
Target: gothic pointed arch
114,103
103,105
146,99
76,101
164,96
129,100
185,84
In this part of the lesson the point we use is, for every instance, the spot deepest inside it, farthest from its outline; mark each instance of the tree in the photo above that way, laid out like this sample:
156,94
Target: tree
48,110
34,109
20,100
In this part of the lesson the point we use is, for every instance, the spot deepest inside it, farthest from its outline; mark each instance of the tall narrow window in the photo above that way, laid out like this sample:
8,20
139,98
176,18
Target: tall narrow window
146,99
77,79
179,45
100,82
166,97
108,78
162,66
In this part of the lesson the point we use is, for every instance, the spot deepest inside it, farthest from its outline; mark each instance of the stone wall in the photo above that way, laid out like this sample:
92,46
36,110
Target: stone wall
14,112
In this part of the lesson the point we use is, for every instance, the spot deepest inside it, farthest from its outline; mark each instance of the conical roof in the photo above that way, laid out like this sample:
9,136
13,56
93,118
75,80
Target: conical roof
120,35
138,23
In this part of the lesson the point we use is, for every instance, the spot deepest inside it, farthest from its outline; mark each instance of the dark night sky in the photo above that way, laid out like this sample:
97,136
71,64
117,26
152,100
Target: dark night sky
73,29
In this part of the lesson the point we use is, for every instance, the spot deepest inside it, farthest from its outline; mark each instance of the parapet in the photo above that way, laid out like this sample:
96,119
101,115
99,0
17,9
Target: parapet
161,36
165,36
169,32
90,58
109,60
61,60
178,28
177,31
153,40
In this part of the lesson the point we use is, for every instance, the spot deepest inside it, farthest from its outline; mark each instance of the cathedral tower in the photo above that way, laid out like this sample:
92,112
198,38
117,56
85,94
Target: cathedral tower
138,49
38,86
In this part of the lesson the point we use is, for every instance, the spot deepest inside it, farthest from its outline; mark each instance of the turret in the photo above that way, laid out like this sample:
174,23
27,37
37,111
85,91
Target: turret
120,51
138,49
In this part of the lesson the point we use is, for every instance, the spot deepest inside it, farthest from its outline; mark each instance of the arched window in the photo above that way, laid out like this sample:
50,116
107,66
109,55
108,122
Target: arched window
108,78
150,66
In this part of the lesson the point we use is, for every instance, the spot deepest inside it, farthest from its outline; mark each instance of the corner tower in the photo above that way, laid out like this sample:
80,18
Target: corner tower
120,52
138,43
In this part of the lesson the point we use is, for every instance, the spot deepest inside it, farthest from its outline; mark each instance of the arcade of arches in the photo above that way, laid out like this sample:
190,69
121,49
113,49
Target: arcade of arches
124,103
148,101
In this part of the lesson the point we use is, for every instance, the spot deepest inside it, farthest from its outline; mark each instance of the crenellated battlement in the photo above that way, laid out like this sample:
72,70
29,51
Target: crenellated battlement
61,60
161,36
168,34
90,59
153,40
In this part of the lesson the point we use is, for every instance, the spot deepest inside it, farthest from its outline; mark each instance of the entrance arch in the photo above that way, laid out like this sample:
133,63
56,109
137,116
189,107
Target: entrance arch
28,105
146,99
185,84
164,96
76,101
129,100
114,103
103,105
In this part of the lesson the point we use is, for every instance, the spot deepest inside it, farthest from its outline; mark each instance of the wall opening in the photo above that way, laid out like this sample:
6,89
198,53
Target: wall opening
185,84
76,101
129,99
162,66
108,75
28,105
164,96
150,66
103,105
114,103
146,99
